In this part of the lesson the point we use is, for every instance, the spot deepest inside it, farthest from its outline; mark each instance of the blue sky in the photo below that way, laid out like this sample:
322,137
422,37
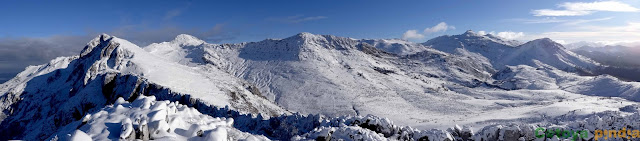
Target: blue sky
34,32
239,21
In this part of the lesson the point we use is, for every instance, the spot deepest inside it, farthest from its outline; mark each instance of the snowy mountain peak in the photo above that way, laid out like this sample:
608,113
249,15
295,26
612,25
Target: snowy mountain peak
104,36
470,33
95,42
302,34
305,36
395,46
187,40
545,42
544,51
472,41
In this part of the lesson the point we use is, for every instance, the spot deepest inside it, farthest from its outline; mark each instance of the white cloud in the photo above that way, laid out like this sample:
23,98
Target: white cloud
440,27
172,13
482,32
585,8
571,22
544,20
599,6
510,35
549,12
610,34
602,36
630,27
560,41
505,34
580,21
412,34
303,19
297,19
169,15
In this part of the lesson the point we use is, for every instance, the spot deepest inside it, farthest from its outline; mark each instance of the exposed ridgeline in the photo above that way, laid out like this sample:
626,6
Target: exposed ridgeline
314,86
621,61
501,52
333,75
42,98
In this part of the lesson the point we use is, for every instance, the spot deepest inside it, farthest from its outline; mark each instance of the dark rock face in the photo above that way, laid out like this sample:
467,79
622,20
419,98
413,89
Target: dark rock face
371,50
34,108
383,71
511,135
142,132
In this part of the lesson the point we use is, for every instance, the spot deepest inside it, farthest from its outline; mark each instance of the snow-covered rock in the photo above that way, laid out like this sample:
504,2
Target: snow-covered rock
128,121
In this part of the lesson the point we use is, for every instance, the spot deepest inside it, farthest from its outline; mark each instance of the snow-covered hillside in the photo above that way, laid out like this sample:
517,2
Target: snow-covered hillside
620,61
537,53
396,46
308,86
332,75
526,77
106,69
341,76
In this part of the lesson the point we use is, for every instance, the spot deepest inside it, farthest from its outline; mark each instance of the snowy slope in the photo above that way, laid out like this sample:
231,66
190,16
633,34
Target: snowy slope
396,46
526,77
306,71
108,68
324,74
538,53
488,46
183,49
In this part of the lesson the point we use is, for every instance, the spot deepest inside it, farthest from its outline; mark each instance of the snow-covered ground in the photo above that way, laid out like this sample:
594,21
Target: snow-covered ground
424,88
429,89
148,119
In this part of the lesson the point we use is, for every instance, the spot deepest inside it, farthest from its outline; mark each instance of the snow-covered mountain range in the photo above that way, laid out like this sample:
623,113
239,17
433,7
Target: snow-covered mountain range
311,86
500,52
621,61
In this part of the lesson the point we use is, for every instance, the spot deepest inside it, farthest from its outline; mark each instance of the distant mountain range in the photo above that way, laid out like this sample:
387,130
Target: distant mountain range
622,61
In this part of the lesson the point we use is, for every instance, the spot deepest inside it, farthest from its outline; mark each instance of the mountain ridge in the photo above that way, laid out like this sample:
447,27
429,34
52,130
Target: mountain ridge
410,83
108,68
501,52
